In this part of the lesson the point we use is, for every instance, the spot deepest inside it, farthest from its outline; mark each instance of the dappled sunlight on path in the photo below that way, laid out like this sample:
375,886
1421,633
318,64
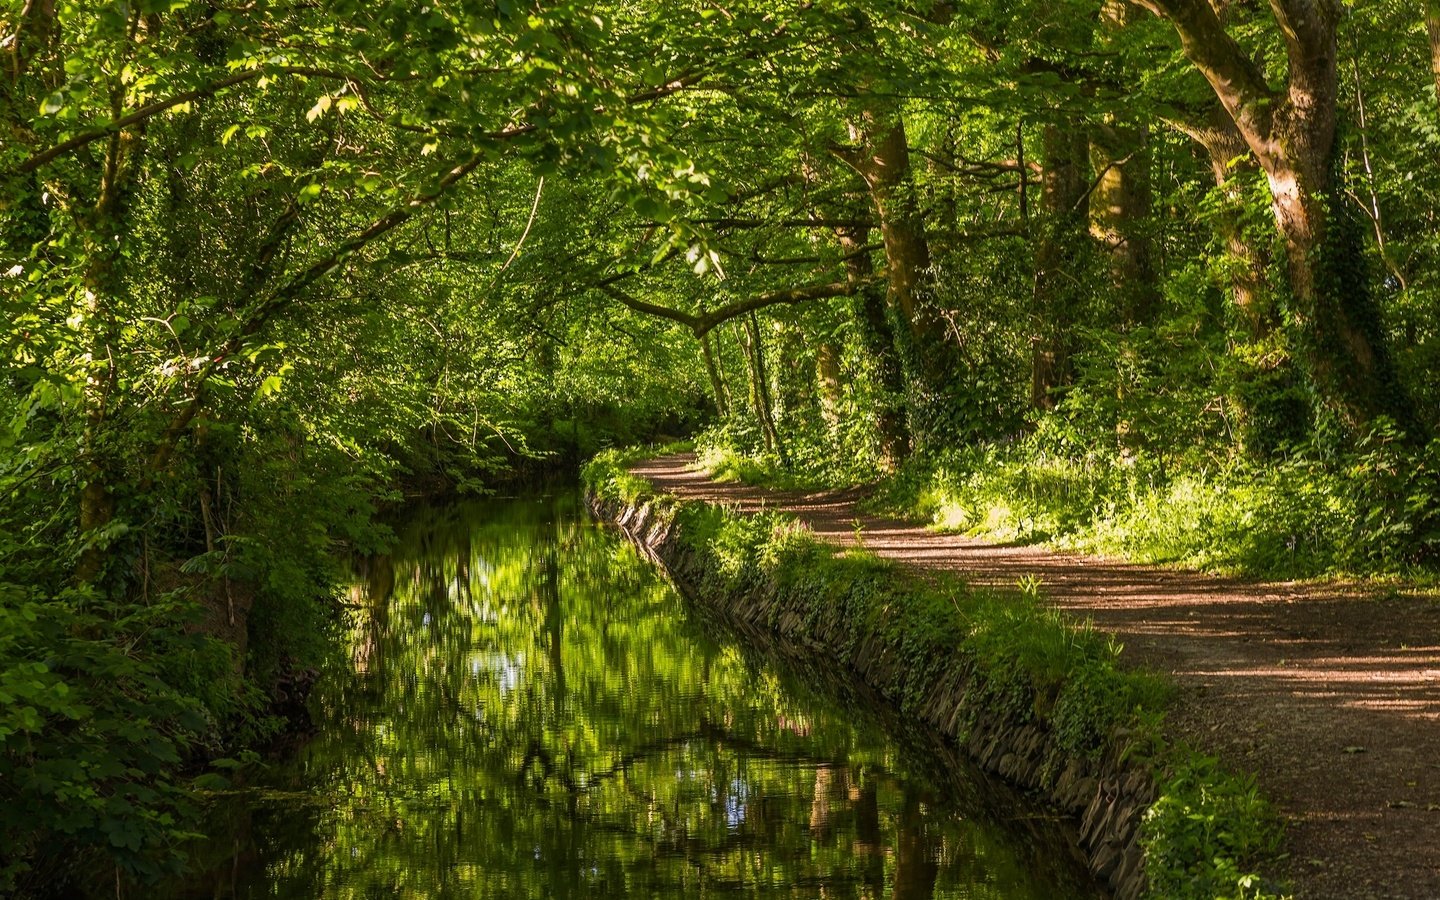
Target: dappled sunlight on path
1329,693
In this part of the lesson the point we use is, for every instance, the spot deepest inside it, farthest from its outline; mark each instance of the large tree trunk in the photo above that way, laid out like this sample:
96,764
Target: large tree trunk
1056,295
1269,410
1347,349
881,156
878,340
1232,164
884,162
1121,200
1292,134
1119,207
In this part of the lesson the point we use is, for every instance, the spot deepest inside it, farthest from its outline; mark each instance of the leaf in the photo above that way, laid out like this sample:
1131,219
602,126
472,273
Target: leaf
52,104
319,108
211,781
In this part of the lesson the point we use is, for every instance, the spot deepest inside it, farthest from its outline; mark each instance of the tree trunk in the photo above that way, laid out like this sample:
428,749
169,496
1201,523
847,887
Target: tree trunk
1269,410
717,382
1120,209
882,158
827,373
884,162
1056,295
1232,164
793,378
1292,134
1432,25
1348,352
877,339
760,389
757,399
102,290
1121,201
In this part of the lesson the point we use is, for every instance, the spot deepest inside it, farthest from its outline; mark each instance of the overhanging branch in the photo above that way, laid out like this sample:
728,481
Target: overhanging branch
292,288
702,324
150,110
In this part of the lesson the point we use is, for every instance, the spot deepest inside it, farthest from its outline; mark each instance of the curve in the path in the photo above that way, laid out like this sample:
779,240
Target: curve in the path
1330,695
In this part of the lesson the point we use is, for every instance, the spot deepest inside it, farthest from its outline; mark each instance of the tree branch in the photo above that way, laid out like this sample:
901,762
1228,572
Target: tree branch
149,110
1232,74
261,314
689,320
704,323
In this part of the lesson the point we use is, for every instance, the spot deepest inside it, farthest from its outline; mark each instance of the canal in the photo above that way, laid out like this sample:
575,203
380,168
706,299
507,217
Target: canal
529,710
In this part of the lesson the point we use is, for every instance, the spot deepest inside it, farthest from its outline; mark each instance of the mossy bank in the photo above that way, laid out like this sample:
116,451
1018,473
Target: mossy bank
1028,695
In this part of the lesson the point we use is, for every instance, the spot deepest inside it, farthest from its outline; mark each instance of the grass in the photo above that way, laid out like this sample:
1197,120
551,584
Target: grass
607,474
1371,513
725,464
1206,836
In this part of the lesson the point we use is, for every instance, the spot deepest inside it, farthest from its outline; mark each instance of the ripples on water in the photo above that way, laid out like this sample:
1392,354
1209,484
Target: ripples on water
529,711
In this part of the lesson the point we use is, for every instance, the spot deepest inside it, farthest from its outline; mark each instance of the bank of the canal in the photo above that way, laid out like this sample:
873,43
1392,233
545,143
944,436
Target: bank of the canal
1025,694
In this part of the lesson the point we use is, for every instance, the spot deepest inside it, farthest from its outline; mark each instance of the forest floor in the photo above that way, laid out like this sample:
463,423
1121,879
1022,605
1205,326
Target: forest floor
1329,693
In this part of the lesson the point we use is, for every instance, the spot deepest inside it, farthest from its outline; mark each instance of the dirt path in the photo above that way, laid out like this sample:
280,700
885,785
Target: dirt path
1332,697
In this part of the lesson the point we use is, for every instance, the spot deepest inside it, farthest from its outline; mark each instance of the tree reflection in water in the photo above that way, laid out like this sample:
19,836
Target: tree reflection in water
531,712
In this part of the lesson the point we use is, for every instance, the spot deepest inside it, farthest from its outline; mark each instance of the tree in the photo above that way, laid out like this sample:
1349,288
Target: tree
1292,133
1432,25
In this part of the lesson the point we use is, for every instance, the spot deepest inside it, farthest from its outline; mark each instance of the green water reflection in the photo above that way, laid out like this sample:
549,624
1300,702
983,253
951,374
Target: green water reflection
531,712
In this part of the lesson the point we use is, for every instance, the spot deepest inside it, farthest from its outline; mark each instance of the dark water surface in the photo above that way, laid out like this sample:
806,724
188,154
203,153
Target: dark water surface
530,711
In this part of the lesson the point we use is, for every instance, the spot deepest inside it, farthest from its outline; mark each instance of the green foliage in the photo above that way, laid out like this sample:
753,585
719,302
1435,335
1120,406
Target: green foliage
1370,511
607,474
1205,831
264,268
98,710
728,451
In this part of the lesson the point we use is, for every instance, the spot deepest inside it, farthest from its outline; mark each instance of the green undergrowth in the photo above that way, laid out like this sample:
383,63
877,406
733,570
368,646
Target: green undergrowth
607,474
1373,512
1368,512
1205,837
726,464
729,452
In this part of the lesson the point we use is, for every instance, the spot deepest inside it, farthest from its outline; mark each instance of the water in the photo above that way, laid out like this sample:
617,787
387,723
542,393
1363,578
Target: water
529,711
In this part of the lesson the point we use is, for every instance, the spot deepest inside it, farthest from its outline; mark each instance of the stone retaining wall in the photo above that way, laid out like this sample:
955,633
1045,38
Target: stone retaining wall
1107,796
